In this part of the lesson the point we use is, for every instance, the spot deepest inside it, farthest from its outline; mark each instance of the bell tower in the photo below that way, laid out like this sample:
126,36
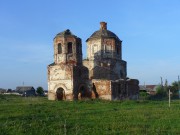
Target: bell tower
67,48
67,77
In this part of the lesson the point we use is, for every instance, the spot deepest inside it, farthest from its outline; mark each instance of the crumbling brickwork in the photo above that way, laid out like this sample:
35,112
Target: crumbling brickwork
67,77
102,75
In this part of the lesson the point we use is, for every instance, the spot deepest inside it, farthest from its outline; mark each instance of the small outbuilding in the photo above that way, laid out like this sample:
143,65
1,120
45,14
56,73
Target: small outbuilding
26,90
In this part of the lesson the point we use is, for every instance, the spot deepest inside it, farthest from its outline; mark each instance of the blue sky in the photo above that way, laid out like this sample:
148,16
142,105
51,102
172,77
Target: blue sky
150,32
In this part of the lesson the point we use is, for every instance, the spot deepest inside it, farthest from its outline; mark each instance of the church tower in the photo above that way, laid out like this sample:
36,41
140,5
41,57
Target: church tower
67,77
67,48
104,55
104,44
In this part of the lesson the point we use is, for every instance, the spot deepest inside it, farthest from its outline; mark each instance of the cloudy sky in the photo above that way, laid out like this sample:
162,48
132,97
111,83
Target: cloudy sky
150,31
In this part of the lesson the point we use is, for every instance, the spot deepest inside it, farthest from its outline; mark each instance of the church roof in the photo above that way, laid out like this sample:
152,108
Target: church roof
103,32
65,33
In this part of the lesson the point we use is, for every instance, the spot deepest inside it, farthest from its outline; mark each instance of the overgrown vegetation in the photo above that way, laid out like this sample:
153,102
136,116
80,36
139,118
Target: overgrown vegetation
143,95
37,115
162,92
175,89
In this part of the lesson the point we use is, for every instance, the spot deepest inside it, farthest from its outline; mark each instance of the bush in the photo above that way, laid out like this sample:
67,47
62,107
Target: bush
40,91
161,91
143,95
174,89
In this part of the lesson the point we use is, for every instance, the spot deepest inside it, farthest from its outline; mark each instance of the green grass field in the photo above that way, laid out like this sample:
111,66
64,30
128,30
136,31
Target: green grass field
38,116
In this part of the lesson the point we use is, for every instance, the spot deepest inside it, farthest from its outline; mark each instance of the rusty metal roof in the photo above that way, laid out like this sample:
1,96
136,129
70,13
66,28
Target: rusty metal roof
65,33
103,33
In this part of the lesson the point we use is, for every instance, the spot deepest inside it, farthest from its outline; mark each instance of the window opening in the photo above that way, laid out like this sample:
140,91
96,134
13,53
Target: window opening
59,48
69,47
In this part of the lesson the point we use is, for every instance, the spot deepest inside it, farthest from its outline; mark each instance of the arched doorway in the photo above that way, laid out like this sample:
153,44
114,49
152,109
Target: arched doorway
60,94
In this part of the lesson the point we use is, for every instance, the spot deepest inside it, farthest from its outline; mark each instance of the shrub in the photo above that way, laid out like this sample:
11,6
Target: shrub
40,91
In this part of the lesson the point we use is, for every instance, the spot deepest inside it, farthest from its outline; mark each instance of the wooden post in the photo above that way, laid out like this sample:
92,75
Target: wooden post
169,98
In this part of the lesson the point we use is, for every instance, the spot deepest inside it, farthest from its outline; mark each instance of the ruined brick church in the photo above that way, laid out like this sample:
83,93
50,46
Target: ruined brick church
102,75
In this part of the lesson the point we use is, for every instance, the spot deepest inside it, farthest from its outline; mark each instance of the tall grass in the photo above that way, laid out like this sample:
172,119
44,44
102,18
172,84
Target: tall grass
38,116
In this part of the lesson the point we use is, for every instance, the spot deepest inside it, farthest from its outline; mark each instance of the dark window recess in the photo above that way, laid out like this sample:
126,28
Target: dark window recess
59,48
69,47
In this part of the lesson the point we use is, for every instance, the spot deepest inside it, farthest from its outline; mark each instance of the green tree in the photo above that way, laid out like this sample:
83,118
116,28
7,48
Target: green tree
40,90
161,91
174,89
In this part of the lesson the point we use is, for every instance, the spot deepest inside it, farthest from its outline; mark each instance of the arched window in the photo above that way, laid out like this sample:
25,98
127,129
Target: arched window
59,48
69,47
108,48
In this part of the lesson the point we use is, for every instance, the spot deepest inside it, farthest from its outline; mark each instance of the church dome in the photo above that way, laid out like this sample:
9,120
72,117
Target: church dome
103,32
65,34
